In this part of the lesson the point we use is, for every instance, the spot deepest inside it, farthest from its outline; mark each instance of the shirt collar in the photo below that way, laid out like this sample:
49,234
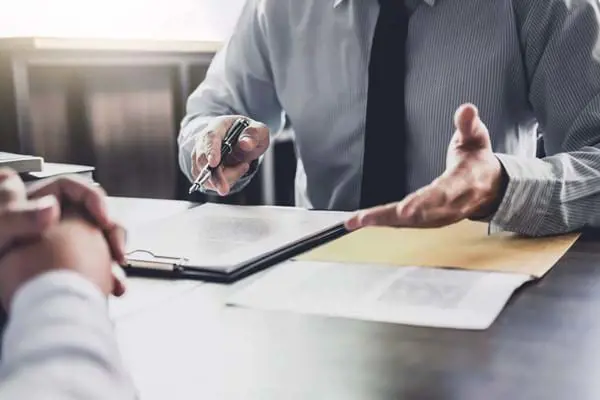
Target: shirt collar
338,2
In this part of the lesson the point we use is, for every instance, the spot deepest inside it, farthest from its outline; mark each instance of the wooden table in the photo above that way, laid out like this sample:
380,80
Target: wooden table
181,342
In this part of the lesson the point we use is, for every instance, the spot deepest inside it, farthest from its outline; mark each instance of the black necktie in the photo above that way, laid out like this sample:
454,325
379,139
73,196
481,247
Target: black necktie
384,166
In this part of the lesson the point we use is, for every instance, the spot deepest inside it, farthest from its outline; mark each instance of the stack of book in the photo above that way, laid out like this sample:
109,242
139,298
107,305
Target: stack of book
33,168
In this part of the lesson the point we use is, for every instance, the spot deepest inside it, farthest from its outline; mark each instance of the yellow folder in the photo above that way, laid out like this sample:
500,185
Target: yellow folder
465,244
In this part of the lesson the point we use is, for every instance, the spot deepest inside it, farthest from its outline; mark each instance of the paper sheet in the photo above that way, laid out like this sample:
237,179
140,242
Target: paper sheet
223,236
462,245
144,294
434,297
54,169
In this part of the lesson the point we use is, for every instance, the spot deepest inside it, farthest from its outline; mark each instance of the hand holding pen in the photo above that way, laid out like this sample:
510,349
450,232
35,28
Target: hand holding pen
223,153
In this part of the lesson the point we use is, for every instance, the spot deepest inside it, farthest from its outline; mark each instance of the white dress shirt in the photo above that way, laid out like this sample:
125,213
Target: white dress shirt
524,63
59,343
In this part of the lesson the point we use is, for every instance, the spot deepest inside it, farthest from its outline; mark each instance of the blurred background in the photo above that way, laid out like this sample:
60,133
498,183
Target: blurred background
104,83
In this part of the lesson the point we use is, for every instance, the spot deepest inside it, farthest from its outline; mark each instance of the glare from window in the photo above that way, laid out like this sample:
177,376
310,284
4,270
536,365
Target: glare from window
136,19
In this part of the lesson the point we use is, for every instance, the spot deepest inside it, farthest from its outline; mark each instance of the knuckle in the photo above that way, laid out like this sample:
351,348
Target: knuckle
211,141
204,146
471,193
262,132
407,212
208,135
99,191
6,195
445,197
257,125
77,182
419,216
198,161
14,213
479,187
12,190
66,182
7,173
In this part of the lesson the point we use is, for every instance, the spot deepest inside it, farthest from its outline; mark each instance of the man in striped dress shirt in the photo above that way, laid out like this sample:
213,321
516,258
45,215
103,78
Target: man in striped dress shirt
420,113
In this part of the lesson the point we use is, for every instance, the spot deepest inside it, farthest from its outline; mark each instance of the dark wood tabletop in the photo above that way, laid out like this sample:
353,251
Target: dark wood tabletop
544,345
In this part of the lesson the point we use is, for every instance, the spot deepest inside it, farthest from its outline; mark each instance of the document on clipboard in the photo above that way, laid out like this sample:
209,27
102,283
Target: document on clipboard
223,243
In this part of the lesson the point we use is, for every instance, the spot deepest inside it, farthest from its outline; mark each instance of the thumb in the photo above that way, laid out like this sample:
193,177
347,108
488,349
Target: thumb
469,127
248,141
119,281
471,133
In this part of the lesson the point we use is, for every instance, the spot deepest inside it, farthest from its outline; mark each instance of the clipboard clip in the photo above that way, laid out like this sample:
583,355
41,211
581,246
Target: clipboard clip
148,260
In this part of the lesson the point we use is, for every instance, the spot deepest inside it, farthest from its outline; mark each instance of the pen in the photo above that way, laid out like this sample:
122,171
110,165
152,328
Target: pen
229,142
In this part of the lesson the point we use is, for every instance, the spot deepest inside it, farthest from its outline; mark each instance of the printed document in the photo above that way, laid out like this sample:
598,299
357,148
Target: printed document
420,296
223,236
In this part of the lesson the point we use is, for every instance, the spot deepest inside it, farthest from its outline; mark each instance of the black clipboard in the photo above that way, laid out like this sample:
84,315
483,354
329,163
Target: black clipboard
171,267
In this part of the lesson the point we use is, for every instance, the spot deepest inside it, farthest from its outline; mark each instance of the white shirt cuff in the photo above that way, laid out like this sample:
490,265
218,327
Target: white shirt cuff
40,287
528,195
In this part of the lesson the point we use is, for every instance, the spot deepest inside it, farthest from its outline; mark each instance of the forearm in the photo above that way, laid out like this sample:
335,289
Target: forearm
59,343
559,193
239,81
549,196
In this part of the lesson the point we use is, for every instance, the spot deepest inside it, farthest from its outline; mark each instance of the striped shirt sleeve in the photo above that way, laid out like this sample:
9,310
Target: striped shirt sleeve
238,82
560,192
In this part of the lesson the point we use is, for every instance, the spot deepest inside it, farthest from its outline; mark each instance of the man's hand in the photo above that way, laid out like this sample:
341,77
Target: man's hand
472,186
25,216
89,200
251,145
21,219
73,244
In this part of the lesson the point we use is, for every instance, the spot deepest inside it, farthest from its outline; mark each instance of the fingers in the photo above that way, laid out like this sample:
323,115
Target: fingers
6,173
253,142
30,217
443,202
224,178
364,217
119,281
27,219
212,151
450,198
247,142
470,130
78,192
465,116
12,187
208,148
89,198
116,238
19,218
409,212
